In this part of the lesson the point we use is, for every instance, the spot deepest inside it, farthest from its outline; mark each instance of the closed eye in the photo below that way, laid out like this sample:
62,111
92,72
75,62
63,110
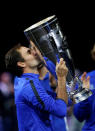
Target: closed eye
29,51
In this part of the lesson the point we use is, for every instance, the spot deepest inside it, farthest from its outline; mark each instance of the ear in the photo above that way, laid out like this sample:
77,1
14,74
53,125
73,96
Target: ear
21,64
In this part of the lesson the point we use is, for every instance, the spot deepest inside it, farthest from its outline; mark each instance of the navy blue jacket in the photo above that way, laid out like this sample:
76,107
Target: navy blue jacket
34,104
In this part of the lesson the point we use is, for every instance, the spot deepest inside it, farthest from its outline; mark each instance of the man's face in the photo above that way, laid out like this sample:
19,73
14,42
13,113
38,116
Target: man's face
32,45
31,57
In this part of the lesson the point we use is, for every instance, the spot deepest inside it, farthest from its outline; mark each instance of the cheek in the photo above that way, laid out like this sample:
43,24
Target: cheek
29,58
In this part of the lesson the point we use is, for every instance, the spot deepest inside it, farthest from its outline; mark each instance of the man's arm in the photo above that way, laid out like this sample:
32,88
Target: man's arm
61,71
36,95
61,90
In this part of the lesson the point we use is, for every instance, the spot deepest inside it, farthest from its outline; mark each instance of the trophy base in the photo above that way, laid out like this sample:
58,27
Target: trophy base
82,95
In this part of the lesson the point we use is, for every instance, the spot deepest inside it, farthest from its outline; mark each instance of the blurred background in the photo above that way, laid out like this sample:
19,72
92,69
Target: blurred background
77,21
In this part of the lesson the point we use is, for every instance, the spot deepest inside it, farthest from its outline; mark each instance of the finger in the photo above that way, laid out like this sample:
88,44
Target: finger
83,77
88,82
61,61
88,78
31,42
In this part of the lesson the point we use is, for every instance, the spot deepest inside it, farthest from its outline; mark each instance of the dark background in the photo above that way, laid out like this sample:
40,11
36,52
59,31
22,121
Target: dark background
76,20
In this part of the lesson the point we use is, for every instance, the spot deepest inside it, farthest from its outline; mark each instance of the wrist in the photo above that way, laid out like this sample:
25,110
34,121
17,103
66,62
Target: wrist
62,78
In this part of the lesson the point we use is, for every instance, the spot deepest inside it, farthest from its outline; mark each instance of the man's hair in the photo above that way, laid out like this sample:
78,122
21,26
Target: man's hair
11,58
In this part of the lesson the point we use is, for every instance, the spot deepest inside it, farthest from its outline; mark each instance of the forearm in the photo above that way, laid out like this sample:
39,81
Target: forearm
40,99
61,89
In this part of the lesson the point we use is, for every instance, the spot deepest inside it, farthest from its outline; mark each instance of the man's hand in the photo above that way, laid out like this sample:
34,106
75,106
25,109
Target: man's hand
85,80
61,69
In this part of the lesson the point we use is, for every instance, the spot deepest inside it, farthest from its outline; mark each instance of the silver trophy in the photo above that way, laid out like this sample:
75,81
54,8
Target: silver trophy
49,39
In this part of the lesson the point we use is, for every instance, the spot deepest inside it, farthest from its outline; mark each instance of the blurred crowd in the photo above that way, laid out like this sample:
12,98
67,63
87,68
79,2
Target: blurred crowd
8,119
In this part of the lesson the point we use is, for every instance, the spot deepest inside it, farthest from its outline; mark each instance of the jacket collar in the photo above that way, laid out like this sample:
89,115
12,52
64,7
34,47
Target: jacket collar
29,75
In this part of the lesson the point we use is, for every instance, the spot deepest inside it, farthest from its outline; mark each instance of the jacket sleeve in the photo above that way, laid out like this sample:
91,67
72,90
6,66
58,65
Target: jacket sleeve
35,94
82,110
51,67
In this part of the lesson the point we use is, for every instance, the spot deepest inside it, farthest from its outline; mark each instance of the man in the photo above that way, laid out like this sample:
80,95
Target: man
33,103
85,110
50,78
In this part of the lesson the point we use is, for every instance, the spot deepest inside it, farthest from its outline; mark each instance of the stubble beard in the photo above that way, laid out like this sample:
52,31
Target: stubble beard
40,63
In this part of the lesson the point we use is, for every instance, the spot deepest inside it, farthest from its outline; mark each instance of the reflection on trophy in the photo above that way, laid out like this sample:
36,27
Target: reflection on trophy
51,42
